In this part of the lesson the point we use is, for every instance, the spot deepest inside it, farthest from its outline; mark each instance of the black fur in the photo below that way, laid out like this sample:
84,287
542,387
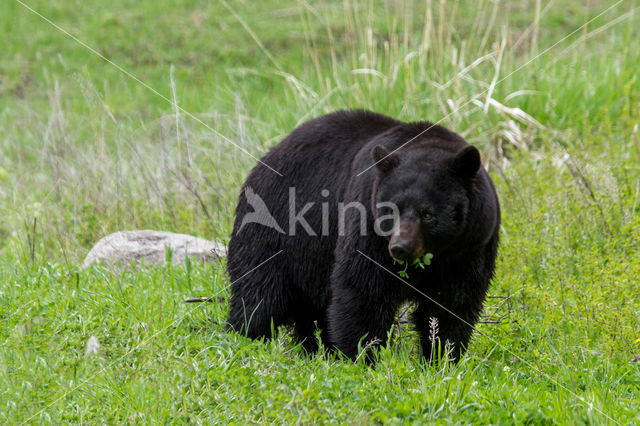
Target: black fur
443,195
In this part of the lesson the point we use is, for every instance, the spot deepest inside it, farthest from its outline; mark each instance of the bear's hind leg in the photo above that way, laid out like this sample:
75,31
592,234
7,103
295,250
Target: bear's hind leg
304,332
307,322
256,303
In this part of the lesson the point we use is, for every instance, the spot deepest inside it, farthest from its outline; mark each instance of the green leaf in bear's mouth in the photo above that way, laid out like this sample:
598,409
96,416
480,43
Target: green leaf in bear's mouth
420,262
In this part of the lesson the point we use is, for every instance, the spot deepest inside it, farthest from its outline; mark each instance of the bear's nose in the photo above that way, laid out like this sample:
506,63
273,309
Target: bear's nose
400,251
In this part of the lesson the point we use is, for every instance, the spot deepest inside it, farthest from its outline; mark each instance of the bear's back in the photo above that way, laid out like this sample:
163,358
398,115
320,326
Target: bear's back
333,135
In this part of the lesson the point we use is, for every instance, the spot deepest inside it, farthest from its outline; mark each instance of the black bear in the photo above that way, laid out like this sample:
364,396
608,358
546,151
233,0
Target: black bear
325,215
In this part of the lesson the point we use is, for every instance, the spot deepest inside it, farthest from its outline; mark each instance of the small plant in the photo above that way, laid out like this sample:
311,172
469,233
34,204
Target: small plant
420,262
433,337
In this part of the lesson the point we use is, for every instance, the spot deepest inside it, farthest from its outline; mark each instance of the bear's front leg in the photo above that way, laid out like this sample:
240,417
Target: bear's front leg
362,306
355,319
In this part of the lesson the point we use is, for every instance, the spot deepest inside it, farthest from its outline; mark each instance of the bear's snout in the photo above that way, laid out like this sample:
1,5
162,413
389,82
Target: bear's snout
400,251
406,241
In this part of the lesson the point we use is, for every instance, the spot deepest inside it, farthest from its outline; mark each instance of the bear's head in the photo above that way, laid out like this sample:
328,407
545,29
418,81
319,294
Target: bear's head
430,189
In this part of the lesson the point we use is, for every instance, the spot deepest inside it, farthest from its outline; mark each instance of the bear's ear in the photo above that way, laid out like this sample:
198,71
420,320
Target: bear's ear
383,159
467,162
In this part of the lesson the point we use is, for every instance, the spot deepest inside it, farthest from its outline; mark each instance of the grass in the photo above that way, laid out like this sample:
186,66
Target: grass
86,151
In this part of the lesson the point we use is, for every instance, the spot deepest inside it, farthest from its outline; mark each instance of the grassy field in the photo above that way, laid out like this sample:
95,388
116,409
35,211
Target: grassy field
548,91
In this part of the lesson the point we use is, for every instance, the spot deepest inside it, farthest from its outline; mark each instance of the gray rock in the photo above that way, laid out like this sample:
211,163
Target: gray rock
126,247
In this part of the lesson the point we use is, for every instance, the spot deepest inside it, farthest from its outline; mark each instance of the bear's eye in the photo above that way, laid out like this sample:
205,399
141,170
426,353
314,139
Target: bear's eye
425,214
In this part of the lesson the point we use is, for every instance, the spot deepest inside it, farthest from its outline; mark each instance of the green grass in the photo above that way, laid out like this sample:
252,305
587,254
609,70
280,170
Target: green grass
86,150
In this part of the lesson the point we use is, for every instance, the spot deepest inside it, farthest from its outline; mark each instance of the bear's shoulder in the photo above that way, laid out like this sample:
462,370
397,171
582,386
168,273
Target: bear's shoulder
419,138
351,127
